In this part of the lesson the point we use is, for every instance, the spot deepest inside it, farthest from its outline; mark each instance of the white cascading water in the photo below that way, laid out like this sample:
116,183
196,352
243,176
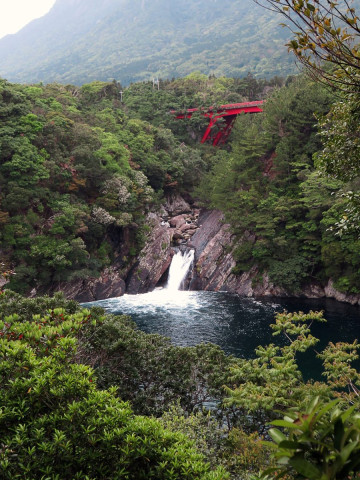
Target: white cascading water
179,268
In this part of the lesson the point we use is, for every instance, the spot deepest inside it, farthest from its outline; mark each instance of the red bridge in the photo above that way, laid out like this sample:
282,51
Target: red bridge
227,112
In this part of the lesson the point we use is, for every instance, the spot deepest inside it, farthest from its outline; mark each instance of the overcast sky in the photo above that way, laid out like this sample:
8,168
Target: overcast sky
15,14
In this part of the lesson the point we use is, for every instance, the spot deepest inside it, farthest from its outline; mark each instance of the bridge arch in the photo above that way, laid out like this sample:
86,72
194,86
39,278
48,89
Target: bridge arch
228,112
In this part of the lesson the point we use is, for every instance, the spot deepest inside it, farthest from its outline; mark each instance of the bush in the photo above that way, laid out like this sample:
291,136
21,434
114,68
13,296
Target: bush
149,371
55,424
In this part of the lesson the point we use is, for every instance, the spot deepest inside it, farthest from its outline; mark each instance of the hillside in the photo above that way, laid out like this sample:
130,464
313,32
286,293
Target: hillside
80,41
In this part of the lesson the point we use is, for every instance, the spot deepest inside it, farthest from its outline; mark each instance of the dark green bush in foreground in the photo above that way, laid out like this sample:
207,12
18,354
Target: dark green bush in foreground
55,424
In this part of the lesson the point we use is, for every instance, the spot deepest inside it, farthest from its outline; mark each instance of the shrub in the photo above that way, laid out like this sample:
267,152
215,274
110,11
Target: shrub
55,424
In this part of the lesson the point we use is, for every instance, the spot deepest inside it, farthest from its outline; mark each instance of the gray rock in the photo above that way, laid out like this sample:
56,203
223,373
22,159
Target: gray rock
153,260
175,205
331,292
108,285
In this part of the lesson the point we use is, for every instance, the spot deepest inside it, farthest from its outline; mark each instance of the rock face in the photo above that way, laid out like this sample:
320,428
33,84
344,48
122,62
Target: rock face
214,264
177,224
154,259
331,292
175,205
173,225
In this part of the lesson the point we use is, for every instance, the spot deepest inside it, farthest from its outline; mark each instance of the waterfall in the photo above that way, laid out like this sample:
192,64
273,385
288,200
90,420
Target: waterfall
179,268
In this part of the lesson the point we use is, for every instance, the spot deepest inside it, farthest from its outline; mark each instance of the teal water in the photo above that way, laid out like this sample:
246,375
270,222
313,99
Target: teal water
238,325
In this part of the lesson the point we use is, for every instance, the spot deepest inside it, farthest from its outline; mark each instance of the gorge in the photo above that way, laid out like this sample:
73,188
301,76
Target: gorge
203,231
166,300
236,323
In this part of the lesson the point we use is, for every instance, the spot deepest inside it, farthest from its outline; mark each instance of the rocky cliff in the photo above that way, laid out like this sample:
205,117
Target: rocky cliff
214,265
177,224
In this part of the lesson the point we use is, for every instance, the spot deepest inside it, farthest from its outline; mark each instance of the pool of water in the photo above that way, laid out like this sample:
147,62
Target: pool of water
238,325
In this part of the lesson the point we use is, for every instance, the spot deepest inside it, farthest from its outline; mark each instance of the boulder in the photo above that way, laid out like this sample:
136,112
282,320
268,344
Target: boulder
331,292
177,222
213,261
175,205
108,285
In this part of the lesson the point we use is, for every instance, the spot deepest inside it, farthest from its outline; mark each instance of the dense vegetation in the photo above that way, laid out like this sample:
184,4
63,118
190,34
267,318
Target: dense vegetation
80,41
88,396
76,173
55,423
67,372
283,210
287,217
80,169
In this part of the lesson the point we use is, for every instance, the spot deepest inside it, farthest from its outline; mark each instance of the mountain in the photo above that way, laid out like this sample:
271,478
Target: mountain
82,40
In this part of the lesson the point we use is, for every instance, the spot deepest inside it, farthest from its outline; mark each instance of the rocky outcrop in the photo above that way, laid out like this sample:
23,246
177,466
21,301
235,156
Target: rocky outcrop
175,205
154,258
177,224
213,261
108,285
331,292
173,225
214,265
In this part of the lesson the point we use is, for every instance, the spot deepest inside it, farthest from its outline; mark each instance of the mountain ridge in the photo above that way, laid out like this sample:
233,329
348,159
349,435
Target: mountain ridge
78,42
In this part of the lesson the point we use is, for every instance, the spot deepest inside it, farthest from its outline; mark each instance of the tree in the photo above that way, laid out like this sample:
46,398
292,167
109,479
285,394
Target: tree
149,371
327,42
325,31
273,379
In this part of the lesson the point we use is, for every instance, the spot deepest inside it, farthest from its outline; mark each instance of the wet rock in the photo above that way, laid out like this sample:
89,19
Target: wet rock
108,285
177,235
214,262
187,226
331,292
153,260
210,222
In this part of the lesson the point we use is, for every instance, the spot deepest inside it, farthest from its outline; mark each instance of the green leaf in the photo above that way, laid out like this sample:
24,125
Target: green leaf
305,468
346,451
338,433
288,444
284,423
276,435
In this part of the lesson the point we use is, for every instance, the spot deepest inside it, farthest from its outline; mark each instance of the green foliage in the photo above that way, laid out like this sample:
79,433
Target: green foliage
322,442
240,453
149,371
273,379
283,213
340,158
54,423
326,38
75,172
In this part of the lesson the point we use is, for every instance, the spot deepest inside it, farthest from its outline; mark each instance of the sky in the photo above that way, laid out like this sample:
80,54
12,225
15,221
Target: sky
15,14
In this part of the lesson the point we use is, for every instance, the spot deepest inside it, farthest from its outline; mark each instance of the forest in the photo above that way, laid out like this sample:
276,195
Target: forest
87,395
80,169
